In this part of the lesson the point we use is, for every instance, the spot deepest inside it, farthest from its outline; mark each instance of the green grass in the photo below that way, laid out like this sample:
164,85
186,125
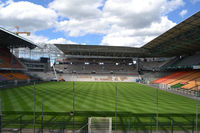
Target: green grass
136,105
94,97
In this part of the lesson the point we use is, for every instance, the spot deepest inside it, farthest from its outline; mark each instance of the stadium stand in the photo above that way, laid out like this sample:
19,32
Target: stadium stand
2,78
36,65
13,76
20,76
166,78
182,74
154,64
45,76
184,61
170,63
8,60
95,65
192,75
12,70
182,79
191,84
190,60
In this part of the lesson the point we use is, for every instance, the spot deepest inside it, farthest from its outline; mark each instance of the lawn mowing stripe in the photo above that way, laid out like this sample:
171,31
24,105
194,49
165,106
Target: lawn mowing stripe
129,103
81,101
98,96
88,101
56,102
20,104
104,98
6,100
91,97
81,93
29,93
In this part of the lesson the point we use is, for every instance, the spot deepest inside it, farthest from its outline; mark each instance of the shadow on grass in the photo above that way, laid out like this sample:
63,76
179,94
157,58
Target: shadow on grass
99,114
63,120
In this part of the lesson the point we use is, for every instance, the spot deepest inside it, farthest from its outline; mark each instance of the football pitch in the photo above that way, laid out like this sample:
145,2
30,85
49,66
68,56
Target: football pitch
94,97
133,108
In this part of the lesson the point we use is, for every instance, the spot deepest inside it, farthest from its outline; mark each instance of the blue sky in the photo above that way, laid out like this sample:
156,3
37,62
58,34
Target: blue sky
95,22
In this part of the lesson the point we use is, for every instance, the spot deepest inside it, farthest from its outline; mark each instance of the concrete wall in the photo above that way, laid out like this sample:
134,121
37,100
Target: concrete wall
99,78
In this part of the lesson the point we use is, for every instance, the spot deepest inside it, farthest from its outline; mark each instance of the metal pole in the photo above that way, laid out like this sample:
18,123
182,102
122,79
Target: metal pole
193,125
73,104
20,120
172,126
157,110
42,118
34,110
197,93
0,116
63,130
129,125
151,125
115,106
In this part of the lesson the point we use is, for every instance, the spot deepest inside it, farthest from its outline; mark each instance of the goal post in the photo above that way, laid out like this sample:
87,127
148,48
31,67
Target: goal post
99,125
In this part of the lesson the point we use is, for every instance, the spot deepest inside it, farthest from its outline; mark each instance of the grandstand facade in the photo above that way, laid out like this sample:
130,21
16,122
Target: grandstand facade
12,70
176,49
96,65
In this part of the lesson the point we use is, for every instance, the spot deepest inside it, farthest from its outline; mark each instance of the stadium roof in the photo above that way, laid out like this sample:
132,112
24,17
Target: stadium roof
98,50
11,40
182,39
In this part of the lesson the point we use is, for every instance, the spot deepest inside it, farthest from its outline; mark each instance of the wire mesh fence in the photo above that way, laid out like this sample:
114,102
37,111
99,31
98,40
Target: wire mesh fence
126,122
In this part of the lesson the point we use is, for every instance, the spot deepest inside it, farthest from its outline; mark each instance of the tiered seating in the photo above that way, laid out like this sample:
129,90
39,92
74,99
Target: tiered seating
7,76
195,88
152,65
177,77
184,80
20,76
8,60
91,65
190,60
2,78
191,84
184,62
12,76
166,78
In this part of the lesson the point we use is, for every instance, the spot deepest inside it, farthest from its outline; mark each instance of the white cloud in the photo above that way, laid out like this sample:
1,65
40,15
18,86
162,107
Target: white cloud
183,12
60,41
35,38
76,27
172,5
26,15
132,13
83,17
116,19
42,40
134,23
119,36
77,9
137,13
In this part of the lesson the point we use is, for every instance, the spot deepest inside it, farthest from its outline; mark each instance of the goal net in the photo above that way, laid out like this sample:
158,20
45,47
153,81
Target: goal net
99,125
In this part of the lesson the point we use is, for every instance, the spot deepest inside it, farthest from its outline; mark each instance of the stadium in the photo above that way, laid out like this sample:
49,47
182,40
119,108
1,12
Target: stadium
102,89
